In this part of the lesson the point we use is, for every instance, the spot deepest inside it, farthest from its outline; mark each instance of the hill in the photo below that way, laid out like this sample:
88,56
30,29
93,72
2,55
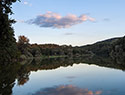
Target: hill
111,48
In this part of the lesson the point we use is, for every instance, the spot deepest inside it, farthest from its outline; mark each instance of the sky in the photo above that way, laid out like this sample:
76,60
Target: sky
69,22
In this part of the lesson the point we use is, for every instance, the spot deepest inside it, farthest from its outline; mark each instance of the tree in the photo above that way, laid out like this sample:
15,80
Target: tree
23,44
24,47
23,40
8,47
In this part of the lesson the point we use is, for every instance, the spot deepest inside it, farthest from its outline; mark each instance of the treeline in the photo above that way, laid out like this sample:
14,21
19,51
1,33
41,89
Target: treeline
111,48
28,50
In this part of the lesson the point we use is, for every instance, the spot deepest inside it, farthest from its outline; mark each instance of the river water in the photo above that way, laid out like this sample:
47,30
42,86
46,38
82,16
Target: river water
75,79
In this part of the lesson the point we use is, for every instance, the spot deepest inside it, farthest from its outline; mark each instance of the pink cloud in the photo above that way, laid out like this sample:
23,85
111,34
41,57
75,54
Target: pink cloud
66,90
54,20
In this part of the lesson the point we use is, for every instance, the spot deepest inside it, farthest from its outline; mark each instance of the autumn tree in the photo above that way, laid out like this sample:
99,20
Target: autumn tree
23,40
8,47
23,43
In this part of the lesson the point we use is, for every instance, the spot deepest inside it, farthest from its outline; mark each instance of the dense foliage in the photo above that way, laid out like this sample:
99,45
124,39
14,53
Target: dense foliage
8,47
118,51
102,48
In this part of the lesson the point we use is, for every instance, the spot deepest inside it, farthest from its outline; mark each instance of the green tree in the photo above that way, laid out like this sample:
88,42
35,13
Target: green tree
8,47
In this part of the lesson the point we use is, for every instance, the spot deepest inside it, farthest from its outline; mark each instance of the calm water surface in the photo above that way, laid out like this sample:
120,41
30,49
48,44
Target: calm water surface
78,79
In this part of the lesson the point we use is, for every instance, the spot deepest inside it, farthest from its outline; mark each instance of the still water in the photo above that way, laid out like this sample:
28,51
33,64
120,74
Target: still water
73,79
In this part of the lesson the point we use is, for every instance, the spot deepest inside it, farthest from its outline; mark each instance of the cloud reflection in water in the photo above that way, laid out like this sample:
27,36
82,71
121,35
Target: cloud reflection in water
66,90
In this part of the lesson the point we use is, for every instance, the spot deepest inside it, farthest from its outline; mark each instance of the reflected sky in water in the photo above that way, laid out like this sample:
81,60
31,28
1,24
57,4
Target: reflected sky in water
66,90
82,79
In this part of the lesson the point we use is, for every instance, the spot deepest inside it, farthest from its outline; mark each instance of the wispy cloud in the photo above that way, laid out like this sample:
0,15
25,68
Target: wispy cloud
67,90
106,19
68,34
71,77
27,3
54,20
20,21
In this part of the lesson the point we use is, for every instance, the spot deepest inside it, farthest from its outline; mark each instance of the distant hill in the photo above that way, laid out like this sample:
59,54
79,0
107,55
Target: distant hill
114,48
101,48
118,51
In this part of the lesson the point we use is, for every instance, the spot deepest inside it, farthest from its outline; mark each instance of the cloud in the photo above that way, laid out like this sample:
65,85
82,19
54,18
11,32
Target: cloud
66,90
106,19
20,21
54,20
98,92
27,3
71,77
68,34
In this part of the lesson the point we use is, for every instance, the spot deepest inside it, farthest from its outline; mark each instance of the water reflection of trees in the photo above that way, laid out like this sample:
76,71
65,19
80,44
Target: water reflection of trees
10,72
53,63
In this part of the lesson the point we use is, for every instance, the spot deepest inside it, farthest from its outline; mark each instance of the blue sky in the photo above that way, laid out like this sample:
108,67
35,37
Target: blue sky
103,19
